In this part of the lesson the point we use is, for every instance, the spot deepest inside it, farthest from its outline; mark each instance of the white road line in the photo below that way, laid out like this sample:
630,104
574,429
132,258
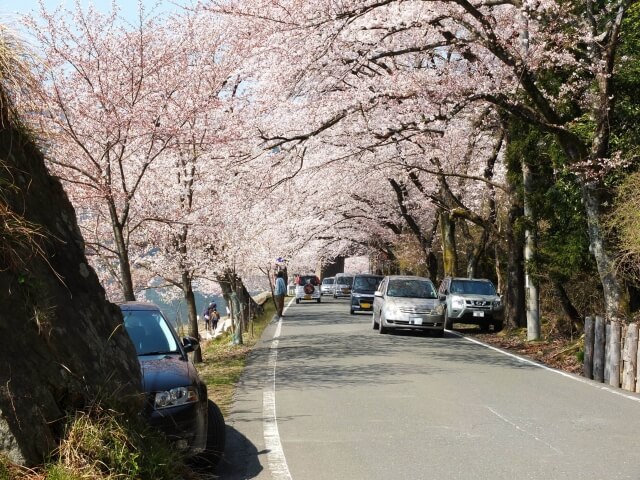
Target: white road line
586,381
275,456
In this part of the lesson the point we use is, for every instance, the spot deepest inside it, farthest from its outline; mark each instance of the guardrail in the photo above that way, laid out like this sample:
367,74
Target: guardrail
611,353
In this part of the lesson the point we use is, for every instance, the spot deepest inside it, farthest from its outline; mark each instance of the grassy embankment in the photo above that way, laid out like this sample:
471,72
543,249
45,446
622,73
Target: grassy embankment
223,362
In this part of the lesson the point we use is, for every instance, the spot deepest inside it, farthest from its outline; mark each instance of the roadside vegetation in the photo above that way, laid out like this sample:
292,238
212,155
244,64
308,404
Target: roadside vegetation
223,362
100,443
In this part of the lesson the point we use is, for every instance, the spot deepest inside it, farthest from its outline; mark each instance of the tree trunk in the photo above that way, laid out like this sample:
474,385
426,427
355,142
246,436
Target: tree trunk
532,294
126,282
449,251
515,299
229,283
62,345
570,311
616,295
190,298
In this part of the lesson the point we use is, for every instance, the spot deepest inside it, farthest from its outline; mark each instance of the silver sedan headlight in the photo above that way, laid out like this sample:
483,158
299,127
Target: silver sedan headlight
391,311
457,302
176,396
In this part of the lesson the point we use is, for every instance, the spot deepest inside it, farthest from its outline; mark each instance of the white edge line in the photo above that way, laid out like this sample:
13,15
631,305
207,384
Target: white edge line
586,381
275,456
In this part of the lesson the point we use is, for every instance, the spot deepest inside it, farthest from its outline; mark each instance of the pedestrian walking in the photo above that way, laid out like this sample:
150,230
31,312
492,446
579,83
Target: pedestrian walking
215,318
279,292
207,315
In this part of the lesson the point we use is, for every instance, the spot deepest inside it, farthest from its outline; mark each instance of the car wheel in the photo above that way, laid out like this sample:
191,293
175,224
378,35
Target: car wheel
438,333
297,300
497,326
484,326
351,311
374,324
318,300
382,328
216,438
448,322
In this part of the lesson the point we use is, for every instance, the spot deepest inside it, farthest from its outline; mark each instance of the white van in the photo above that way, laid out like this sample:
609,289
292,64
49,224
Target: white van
342,285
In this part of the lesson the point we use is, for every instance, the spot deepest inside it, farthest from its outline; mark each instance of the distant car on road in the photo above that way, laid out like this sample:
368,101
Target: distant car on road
307,288
327,286
471,300
407,302
177,402
342,285
364,286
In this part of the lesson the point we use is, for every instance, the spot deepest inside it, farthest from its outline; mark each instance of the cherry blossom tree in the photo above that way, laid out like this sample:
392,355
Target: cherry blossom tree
109,112
396,69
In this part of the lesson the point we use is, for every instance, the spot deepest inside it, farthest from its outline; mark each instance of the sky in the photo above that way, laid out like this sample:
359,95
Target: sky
11,9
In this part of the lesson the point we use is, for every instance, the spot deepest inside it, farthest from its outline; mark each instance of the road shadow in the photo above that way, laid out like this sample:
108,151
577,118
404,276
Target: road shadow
241,459
364,356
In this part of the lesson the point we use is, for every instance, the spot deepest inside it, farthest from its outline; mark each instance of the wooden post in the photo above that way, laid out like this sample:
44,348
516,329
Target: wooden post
607,353
598,349
614,354
637,363
629,358
589,333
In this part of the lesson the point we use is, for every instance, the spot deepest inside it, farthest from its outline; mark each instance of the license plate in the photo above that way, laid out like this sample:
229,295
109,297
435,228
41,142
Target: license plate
416,321
365,305
478,314
307,297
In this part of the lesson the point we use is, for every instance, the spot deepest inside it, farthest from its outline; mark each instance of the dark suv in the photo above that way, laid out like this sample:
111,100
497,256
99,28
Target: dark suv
362,291
177,402
471,300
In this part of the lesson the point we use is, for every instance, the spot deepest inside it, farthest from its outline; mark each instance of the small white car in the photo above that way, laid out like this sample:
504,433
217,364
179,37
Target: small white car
327,287
307,288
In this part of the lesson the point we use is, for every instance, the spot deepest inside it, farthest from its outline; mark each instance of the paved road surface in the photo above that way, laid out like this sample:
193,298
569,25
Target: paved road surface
353,404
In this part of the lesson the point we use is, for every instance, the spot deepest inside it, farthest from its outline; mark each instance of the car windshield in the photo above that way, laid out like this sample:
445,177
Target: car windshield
472,286
149,332
344,280
327,281
411,288
366,284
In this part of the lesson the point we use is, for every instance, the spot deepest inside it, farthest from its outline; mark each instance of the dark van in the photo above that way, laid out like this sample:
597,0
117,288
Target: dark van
364,285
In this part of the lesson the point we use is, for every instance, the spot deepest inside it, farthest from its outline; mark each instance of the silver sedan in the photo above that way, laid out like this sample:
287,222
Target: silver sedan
403,301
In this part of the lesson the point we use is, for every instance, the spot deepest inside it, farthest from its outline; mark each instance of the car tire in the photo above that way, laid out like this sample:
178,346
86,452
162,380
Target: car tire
374,324
484,326
216,439
448,322
382,329
318,300
497,326
297,300
438,333
352,312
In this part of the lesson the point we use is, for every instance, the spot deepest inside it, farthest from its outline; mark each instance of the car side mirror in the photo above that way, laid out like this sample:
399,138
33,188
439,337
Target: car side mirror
190,344
442,297
377,294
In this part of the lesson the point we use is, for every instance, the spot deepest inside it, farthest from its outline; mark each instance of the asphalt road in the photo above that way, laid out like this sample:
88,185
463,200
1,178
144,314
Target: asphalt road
331,398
